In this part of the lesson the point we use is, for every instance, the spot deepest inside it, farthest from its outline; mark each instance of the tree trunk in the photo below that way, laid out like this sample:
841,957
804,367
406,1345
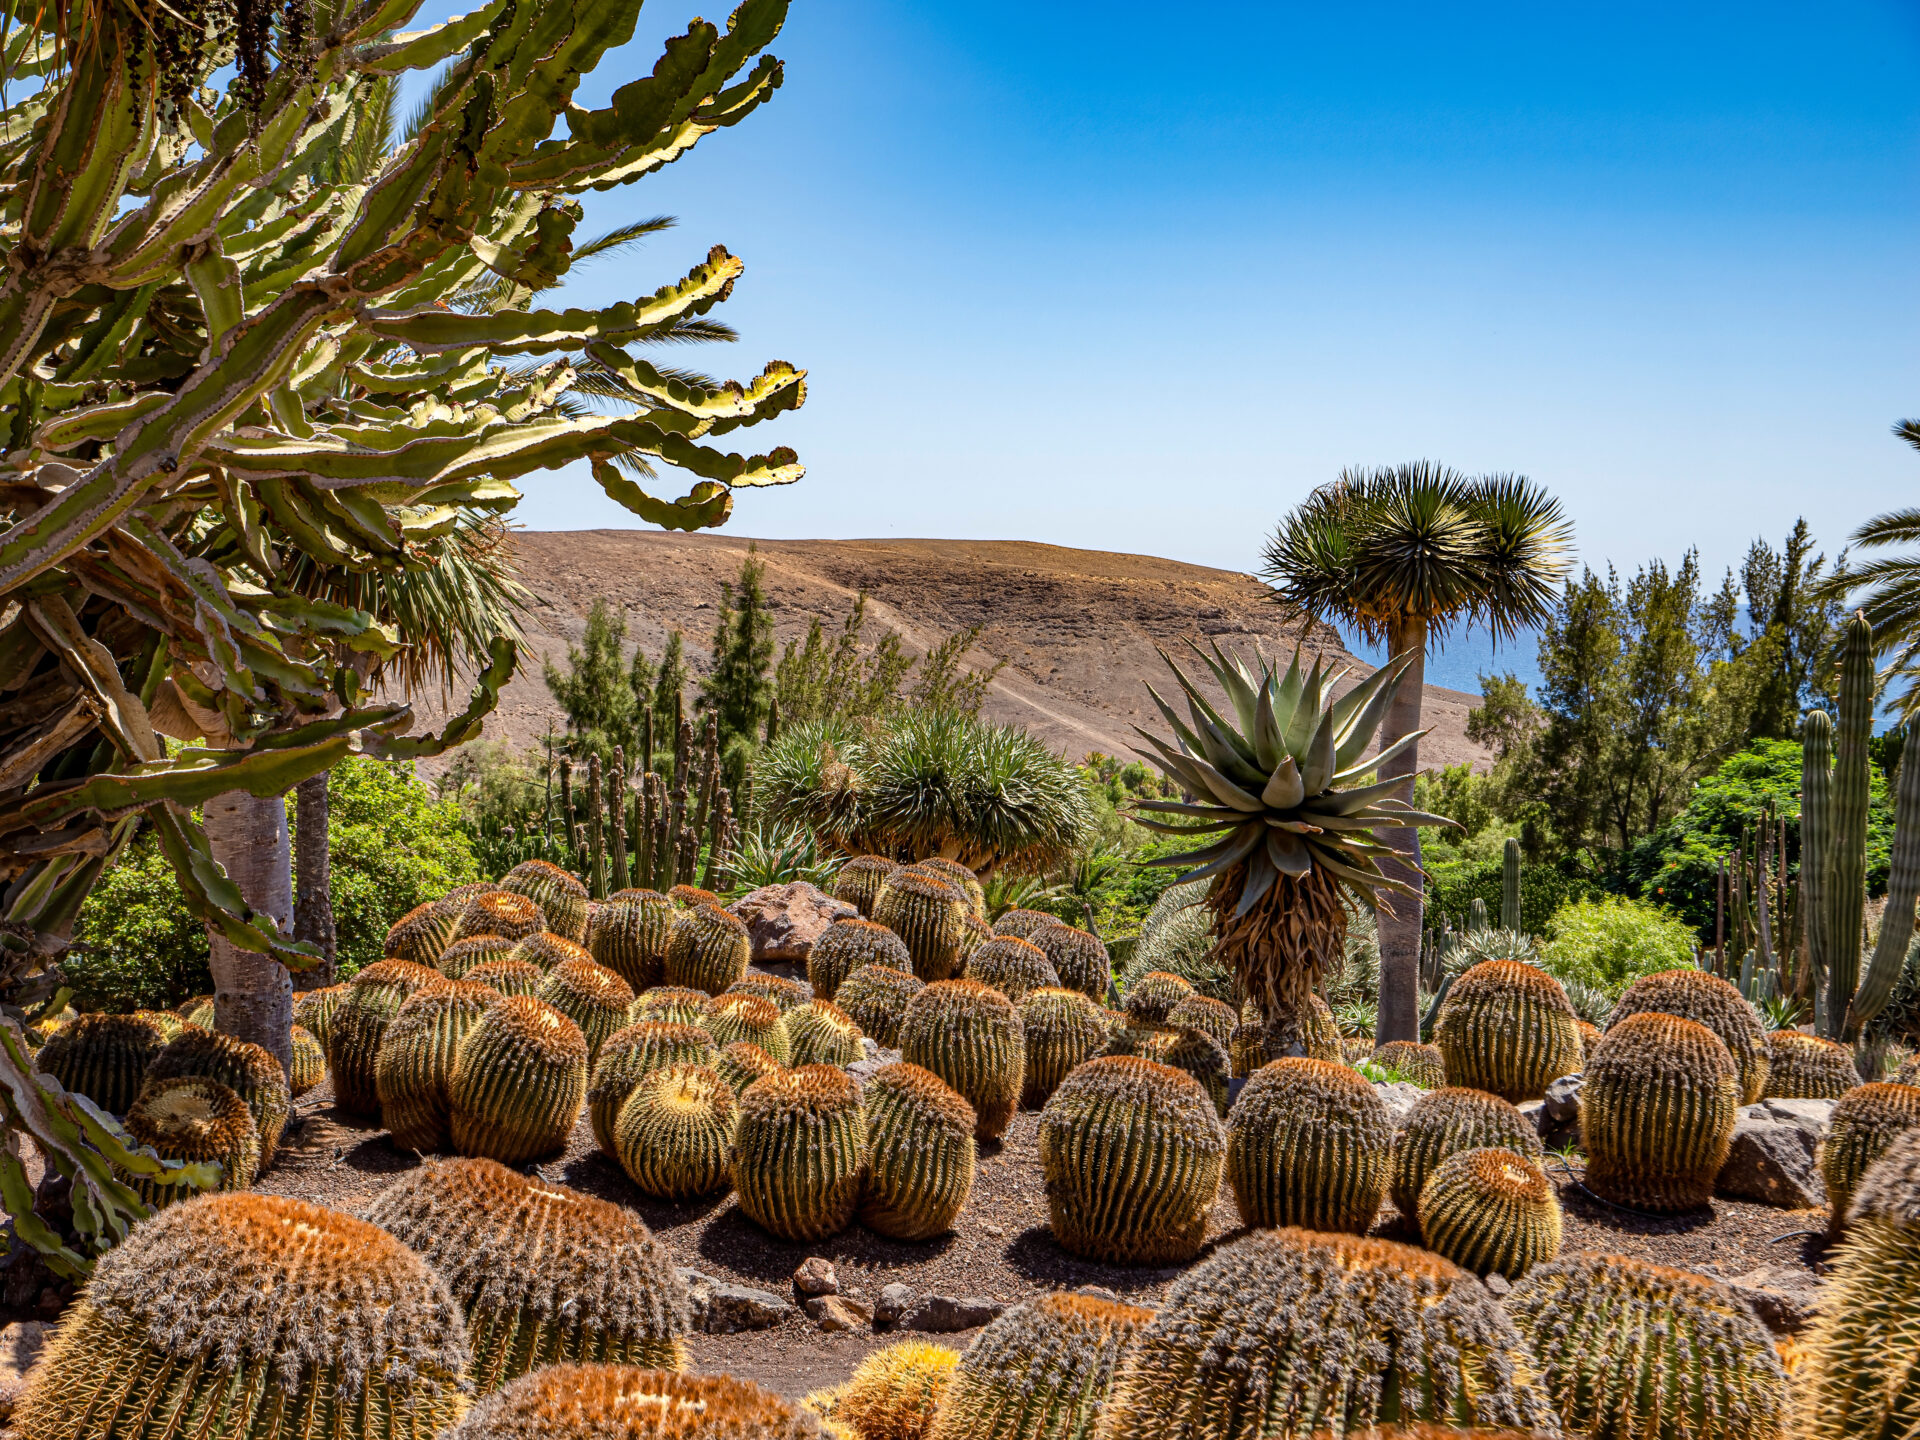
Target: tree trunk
1400,929
313,883
253,994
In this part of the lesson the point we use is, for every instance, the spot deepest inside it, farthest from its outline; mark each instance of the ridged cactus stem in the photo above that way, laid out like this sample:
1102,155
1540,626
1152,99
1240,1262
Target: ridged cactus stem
1846,896
659,830
596,833
617,816
1816,846
677,807
1510,885
1903,890
567,813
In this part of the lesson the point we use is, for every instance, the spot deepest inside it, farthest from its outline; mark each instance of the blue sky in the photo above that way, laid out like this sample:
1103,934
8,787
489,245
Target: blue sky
1136,277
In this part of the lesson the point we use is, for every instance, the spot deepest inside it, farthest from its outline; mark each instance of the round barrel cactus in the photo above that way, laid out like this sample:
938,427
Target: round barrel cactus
740,1064
846,945
799,1150
1195,1052
1060,1028
459,958
708,950
631,1054
197,1011
543,1273
625,1402
821,1033
192,1119
560,896
1657,1111
929,916
353,1039
728,1018
1308,1144
970,1036
309,1062
1024,922
978,933
920,1153
244,1068
670,1004
674,1133
954,873
497,912
423,932
338,1329
1590,1037
547,950
416,1061
103,1057
894,1392
1695,995
692,897
1865,1122
859,882
313,1011
518,1083
1041,1371
876,997
1150,998
591,996
1080,959
1012,966
1626,1348
1507,1028
1443,1123
1418,1064
1808,1067
1214,1018
629,936
1493,1212
786,994
1132,1153
509,977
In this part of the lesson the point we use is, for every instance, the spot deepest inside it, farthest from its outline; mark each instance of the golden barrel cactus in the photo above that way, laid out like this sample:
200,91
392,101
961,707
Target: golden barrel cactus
496,912
629,1056
313,1010
416,1061
730,1018
1507,1028
1013,966
353,1038
1151,998
894,1393
929,916
1080,959
821,1033
103,1057
1865,1122
518,1084
1493,1212
799,1152
876,998
1308,1144
920,1153
787,995
1808,1067
629,936
1696,995
970,1036
1041,1371
244,1068
546,950
309,1062
1657,1111
591,996
1024,922
423,932
674,1134
740,1064
859,882
1214,1018
509,977
459,958
1060,1029
625,1402
958,876
845,946
560,896
191,1118
670,1004
1445,1122
708,950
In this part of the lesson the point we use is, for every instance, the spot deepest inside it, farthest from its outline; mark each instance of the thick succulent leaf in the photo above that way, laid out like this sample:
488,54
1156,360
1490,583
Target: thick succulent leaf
1229,853
1236,755
1289,855
1285,788
1367,767
1358,713
1306,715
1233,682
1316,774
1269,740
1261,877
1350,802
423,49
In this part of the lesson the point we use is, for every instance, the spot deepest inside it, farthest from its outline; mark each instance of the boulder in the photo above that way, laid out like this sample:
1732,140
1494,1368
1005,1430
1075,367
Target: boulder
944,1314
1554,1134
1398,1096
895,1301
783,921
815,1277
723,1309
1811,1116
837,1312
1562,1100
1771,1162
1785,1297
20,1345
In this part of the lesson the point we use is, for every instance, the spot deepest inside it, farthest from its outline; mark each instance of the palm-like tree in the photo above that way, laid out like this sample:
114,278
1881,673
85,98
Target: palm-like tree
1892,591
1403,555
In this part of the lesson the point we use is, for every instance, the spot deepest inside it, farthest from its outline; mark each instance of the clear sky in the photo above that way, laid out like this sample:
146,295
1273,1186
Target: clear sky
1136,277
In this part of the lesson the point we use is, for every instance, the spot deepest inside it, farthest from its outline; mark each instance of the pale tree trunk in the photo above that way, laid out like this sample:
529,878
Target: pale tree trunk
253,994
313,881
1400,931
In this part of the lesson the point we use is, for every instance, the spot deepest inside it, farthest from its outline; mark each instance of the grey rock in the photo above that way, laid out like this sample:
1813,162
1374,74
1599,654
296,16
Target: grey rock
1785,1297
1554,1134
944,1314
723,1309
1399,1097
1562,1102
895,1301
783,921
1498,1284
1812,1116
20,1345
1770,1162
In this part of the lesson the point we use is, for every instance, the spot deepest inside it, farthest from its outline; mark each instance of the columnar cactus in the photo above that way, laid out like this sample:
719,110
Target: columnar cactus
1445,1122
859,882
894,1392
1866,1121
417,1055
591,996
629,936
740,1064
845,947
509,977
628,1057
192,1119
670,1005
1696,995
1627,1348
708,950
309,1062
337,1329
821,1033
876,997
1287,1332
1308,1144
1506,1028
103,1057
1808,1067
621,1402
970,1036
729,1018
929,915
1081,959
496,912
1151,998
799,1151
247,1070
787,995
1012,966
1422,1065
518,1084
1510,885
1132,1153
1041,1371
543,1273
1493,1212
353,1038
1657,1112
313,1011
674,1134
1202,1012
459,958
423,932
920,1153
1024,922
560,896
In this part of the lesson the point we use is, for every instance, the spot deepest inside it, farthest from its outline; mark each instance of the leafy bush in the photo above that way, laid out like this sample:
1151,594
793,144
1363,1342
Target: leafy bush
1544,889
137,947
1609,942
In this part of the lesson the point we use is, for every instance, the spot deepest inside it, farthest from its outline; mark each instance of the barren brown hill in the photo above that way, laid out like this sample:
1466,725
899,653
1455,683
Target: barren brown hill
1077,628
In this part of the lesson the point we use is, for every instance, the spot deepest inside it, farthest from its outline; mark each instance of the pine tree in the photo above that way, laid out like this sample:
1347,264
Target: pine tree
597,689
738,689
669,681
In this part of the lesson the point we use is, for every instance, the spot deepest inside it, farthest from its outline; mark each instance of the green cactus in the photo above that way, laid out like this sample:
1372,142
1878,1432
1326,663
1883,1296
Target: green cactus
970,1036
313,1011
611,1400
629,1056
669,1004
859,882
1196,1053
496,912
590,995
674,1133
1867,1119
1657,1111
977,933
846,946
1888,963
1041,1371
417,1055
547,950
1012,966
799,1151
1445,1122
1132,1153
920,1153
740,1064
1080,958
543,1273
1696,995
353,1040
930,916
692,897
283,1355
1808,1067
1493,1212
707,951
1151,998
309,1063
876,998
509,977
1422,1065
250,1072
198,1012
1858,1379
1291,1333
821,1033
1061,1028
629,936
1843,881
787,995
1023,924
518,1083
423,932
103,1057
1308,1144
561,897
1637,1350
1506,1028
459,958
195,1119
730,1018
1214,1018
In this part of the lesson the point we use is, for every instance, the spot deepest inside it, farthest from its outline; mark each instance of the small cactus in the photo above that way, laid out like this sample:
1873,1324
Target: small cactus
1421,1065
459,958
1079,958
845,947
1657,1111
1637,1350
1041,1371
509,977
787,995
674,1132
1213,1017
930,916
728,1018
740,1064
103,1057
859,882
1445,1122
1024,922
669,1004
876,998
423,932
625,1402
543,1273
1865,1122
799,1151
628,1057
309,1062
1061,1028
353,1041
821,1033
1012,966
1711,1001
1493,1212
416,1061
197,1012
920,1153
1808,1067
561,897
1132,1153
519,1082
591,996
893,1393
1308,1144
1507,1028
707,951
313,1011
496,912
970,1036
547,950
246,1069
191,1118
629,936
1151,998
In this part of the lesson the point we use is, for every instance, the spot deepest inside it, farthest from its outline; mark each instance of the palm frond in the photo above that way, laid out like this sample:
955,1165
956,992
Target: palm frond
622,237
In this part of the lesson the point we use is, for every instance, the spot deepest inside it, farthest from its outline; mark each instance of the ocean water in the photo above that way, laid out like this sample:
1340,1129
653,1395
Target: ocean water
1458,662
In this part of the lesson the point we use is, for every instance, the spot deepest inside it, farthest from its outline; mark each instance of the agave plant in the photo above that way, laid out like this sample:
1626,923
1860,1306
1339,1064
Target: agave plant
1283,785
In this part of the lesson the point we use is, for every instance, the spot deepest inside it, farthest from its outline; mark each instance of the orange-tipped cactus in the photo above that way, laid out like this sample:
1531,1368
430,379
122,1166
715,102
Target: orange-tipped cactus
876,998
511,917
970,1036
629,936
246,1069
628,1057
590,995
1657,1111
1868,1119
1060,1029
1508,1028
1709,1000
847,945
103,1057
353,1042
799,1151
509,977
622,1402
192,1119
859,882
460,958
1079,958
1309,1144
674,1134
707,951
417,1056
1013,966
561,897
920,1153
930,916
519,1083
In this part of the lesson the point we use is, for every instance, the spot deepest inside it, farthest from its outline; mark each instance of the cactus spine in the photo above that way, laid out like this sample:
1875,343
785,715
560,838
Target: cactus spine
103,1057
246,1069
562,898
786,995
423,932
192,1119
920,1154
1446,1122
591,996
627,1058
1041,1371
629,936
1866,1121
1151,998
1080,959
496,912
799,1150
1657,1113
1214,1018
1308,1144
313,1011
674,1132
845,947
859,882
620,1402
970,1036
893,1393
1012,966
1024,923
459,958
708,950
1493,1212
1696,995
509,977
416,1060
353,1042
309,1063
740,1064
1507,1028
1510,885
821,1033
876,997
669,1004
930,916
1808,1067
518,1083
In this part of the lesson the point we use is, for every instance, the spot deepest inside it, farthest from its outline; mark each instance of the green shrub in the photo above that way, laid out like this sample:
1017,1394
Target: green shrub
1544,890
138,948
1611,941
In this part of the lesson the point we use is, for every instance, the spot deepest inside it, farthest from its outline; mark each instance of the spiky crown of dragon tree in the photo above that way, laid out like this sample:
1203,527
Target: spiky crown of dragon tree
1280,783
